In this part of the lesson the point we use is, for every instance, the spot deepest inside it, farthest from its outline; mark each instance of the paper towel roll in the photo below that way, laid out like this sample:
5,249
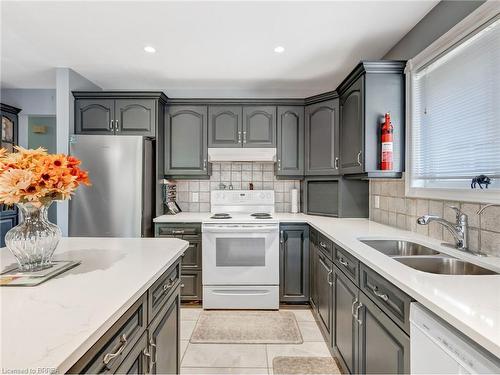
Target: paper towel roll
294,197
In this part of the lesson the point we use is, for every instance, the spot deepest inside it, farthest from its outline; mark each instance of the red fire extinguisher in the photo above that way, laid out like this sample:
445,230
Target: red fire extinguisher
387,144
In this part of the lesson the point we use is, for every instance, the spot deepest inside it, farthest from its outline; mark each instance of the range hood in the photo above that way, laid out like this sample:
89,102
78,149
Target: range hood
241,154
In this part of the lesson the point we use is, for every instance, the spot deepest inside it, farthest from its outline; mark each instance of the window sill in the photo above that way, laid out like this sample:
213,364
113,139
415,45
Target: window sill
461,195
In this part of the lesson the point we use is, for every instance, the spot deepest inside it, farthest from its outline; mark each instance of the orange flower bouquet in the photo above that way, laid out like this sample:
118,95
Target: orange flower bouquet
32,180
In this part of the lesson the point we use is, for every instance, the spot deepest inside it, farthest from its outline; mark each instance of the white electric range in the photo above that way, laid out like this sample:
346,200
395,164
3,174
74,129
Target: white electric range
241,251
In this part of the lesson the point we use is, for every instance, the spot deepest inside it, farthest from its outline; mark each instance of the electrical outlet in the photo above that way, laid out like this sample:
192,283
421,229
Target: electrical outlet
195,197
376,201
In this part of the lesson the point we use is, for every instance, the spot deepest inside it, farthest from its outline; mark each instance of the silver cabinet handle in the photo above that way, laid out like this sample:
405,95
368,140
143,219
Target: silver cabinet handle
178,231
204,164
168,285
279,164
328,277
111,126
322,244
382,296
360,321
182,285
239,137
352,308
343,262
148,354
244,137
109,356
116,126
282,237
359,158
153,358
336,163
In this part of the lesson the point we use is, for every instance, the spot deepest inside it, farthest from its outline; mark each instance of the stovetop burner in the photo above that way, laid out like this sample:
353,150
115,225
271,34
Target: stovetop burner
261,215
220,216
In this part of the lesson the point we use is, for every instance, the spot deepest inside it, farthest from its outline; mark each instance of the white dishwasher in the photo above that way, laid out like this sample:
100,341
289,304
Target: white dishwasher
438,348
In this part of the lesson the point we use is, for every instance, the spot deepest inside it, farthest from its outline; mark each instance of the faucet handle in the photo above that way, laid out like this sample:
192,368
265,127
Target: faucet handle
460,215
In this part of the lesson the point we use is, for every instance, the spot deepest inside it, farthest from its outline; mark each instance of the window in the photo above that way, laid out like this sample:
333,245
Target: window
454,112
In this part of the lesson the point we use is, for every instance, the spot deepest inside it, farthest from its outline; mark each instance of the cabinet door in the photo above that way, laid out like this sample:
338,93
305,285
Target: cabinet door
138,360
294,263
94,116
313,274
192,256
186,141
135,117
345,328
290,144
322,151
225,126
191,287
351,129
383,347
164,338
259,126
324,277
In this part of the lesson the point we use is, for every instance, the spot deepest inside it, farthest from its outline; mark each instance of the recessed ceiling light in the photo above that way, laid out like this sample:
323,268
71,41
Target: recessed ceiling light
279,49
149,49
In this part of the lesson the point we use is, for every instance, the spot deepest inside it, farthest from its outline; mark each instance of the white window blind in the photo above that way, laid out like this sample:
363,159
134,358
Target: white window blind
455,111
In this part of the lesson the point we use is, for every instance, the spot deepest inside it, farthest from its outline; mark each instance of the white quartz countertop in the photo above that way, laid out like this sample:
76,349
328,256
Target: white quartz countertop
53,324
469,303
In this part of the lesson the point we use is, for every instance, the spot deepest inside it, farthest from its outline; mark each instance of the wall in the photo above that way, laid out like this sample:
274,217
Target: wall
39,102
239,175
67,80
399,211
438,21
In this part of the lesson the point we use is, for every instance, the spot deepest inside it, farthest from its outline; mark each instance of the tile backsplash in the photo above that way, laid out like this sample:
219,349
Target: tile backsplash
399,211
239,175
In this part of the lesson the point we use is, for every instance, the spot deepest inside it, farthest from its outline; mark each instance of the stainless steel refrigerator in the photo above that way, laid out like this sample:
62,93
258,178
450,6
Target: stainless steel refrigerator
120,202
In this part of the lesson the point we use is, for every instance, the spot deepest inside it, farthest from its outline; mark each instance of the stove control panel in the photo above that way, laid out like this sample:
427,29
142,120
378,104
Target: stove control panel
239,197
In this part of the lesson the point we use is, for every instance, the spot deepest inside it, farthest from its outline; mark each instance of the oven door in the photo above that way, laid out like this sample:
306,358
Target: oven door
240,254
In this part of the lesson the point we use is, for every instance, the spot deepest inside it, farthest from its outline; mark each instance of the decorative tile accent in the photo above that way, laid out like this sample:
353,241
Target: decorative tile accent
399,211
239,175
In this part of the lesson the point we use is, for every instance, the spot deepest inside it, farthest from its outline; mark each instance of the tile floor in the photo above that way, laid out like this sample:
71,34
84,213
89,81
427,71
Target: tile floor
245,358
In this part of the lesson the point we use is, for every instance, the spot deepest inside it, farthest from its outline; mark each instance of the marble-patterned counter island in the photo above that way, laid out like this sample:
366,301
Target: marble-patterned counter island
49,327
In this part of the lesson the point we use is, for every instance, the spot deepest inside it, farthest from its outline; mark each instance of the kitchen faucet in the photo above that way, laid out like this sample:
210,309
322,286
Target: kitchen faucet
459,230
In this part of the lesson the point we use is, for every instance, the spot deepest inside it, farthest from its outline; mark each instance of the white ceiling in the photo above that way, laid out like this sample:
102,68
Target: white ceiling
203,48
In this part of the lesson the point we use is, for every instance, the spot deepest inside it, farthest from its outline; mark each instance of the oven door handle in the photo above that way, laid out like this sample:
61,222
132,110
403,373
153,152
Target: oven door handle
241,230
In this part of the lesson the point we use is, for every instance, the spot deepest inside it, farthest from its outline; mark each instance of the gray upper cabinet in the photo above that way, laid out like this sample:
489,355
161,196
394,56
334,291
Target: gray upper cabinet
321,137
372,89
94,116
290,142
294,263
225,126
259,126
119,112
351,129
186,141
135,117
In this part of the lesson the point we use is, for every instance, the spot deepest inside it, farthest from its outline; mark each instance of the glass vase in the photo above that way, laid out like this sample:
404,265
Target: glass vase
34,239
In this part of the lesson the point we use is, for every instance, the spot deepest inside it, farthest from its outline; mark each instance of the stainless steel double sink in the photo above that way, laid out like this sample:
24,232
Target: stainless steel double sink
425,259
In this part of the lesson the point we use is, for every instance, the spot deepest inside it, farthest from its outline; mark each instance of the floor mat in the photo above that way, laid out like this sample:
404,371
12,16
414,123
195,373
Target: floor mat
304,365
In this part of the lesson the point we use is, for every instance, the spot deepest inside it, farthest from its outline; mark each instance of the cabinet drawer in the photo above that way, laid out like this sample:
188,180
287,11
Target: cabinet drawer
111,349
347,263
192,256
325,245
191,289
177,229
162,288
394,302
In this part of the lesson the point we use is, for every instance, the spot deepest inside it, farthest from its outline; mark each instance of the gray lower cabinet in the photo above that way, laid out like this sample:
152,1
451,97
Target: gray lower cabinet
191,266
225,126
324,285
313,249
164,338
186,151
290,141
294,263
383,347
345,332
322,138
145,339
259,126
